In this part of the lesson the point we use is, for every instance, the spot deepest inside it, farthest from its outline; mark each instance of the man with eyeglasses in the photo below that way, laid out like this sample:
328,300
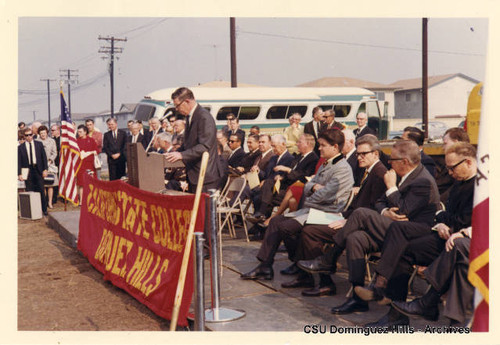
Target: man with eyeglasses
404,247
237,152
362,121
31,155
411,197
314,237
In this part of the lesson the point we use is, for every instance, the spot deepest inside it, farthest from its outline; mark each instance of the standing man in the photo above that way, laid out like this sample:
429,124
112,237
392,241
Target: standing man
330,123
135,134
154,130
94,133
31,155
362,121
315,127
55,132
114,147
199,138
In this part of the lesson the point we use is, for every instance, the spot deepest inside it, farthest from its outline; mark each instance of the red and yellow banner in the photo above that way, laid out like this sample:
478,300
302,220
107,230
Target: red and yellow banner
136,239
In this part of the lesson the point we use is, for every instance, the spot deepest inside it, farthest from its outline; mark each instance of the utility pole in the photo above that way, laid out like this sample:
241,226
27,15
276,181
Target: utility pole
111,50
34,115
232,27
425,106
48,94
68,74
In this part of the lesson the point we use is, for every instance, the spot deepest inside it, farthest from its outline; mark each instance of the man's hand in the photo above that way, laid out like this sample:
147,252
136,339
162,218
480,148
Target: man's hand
255,168
337,224
450,243
278,177
355,190
317,187
20,178
45,173
173,157
115,155
392,214
443,231
390,178
282,168
240,169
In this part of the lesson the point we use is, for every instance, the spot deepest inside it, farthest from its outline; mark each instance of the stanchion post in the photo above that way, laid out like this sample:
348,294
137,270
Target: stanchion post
215,249
199,292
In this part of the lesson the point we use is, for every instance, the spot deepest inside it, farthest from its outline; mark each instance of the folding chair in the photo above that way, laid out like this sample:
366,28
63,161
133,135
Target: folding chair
231,204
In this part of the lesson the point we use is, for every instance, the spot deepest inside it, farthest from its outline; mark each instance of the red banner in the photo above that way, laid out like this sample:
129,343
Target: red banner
136,239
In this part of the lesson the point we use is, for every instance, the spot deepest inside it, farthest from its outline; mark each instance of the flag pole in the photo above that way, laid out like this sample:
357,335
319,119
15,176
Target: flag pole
189,240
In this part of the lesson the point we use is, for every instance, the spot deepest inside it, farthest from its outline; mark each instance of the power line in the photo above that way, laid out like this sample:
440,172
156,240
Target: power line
354,44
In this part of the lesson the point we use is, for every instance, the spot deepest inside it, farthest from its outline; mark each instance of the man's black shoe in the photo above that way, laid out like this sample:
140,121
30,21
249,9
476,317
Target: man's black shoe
299,282
290,270
320,291
264,272
256,218
350,306
415,308
257,236
391,320
45,213
315,266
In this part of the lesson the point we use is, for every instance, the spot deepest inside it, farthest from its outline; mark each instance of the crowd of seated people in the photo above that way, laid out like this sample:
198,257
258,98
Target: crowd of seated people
405,206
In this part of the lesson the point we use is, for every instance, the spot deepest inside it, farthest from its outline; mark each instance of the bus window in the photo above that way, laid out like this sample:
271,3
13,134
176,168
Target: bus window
221,115
248,113
301,109
372,109
341,110
326,107
144,112
277,112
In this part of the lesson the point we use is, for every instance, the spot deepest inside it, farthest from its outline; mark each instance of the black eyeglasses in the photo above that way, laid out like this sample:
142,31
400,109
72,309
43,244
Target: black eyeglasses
362,154
395,159
453,167
178,105
28,135
233,141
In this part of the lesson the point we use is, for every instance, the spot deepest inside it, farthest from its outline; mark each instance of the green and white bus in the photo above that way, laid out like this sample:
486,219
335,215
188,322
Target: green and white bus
270,107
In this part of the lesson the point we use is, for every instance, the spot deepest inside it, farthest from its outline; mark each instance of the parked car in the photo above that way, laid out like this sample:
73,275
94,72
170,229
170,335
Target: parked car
436,129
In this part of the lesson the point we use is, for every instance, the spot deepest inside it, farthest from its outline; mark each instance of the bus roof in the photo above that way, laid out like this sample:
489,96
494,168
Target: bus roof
265,93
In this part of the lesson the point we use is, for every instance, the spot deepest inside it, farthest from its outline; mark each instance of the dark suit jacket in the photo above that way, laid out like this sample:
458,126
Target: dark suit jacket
286,160
140,138
249,160
357,172
458,213
366,130
110,146
300,169
428,163
236,158
371,190
40,155
417,197
309,129
58,146
146,139
199,137
263,163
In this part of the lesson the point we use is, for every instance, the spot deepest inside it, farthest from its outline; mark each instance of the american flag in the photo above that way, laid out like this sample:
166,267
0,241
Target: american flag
70,156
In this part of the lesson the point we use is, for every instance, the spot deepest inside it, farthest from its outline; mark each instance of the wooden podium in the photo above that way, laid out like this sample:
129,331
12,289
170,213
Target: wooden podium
147,170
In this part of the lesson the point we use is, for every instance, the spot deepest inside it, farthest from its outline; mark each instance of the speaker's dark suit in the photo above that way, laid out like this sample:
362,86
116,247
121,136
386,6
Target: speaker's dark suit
200,137
35,179
366,130
300,169
236,158
309,129
313,237
111,146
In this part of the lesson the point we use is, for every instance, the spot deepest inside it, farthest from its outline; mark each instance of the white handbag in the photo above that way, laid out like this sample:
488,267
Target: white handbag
97,162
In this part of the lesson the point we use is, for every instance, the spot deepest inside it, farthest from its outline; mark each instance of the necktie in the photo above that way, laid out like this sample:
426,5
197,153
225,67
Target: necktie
134,139
325,163
187,121
364,177
317,129
31,153
114,135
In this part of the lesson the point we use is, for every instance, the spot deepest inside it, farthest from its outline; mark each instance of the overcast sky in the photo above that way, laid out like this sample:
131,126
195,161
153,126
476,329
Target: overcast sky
169,52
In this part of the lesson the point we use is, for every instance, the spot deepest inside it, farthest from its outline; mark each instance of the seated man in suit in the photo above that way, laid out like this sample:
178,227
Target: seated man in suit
349,152
411,195
281,157
248,161
314,237
154,130
362,121
328,191
416,135
446,275
330,122
237,152
31,155
408,243
271,192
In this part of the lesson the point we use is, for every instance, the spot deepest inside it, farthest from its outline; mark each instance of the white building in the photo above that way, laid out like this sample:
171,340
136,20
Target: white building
447,98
